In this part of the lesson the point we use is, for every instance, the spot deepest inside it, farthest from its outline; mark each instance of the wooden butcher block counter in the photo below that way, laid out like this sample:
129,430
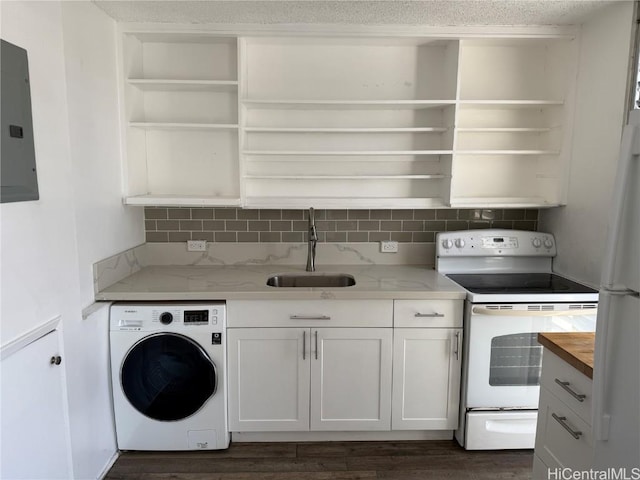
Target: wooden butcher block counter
575,348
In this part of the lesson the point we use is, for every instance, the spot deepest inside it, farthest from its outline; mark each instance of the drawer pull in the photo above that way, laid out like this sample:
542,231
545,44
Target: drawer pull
562,421
565,385
304,344
309,317
429,315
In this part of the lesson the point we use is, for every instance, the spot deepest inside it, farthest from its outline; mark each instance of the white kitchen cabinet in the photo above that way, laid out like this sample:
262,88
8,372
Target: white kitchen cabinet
35,442
427,356
426,373
351,379
564,435
301,379
309,365
269,379
356,121
181,118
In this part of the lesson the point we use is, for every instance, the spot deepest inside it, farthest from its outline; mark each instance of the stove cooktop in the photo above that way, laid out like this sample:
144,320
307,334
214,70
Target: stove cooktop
497,283
523,287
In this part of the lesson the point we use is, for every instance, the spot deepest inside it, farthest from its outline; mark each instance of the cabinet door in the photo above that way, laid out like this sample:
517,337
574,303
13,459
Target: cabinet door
351,379
34,417
426,378
268,379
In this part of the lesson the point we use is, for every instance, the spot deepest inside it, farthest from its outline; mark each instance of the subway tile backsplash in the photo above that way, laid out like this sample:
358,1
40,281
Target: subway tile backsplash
244,225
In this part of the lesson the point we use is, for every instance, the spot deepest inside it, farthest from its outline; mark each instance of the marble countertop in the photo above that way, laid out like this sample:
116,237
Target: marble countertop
575,348
236,282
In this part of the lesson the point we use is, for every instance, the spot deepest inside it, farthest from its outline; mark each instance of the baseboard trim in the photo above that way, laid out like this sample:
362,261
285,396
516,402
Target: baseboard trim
340,436
108,465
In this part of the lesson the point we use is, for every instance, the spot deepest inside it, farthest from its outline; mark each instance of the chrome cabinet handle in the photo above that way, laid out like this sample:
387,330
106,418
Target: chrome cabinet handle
309,317
578,396
429,315
562,421
316,334
457,350
304,344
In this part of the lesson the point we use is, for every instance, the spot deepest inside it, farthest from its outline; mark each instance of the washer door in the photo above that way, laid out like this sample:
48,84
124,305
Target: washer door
167,376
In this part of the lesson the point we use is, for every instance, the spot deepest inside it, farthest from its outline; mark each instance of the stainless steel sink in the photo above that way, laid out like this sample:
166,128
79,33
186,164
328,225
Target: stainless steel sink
320,281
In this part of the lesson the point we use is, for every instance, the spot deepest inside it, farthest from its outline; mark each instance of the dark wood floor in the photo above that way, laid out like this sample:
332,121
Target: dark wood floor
413,460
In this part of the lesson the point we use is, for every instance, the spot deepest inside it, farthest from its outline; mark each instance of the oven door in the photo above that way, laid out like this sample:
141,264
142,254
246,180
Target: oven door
504,357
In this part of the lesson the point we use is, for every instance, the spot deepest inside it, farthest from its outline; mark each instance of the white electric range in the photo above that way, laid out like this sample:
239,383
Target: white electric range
512,295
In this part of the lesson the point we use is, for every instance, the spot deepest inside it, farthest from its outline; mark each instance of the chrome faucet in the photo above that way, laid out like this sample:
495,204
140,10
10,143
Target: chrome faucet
312,241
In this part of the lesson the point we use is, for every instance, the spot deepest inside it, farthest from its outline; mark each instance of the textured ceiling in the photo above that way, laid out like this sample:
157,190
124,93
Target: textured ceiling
359,12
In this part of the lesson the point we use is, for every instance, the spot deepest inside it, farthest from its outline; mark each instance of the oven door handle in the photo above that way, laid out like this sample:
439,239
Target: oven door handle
533,313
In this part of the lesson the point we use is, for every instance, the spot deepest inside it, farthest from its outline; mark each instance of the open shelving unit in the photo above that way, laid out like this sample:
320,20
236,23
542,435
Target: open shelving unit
347,121
181,97
514,107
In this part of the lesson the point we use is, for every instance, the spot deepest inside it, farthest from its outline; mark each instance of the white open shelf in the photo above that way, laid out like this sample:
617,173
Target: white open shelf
503,129
507,152
502,202
184,85
351,159
346,129
343,177
346,152
182,200
347,104
508,104
183,126
353,202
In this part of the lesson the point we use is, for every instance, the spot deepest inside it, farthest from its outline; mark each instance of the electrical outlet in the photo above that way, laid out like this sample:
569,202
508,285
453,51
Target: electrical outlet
196,245
488,215
388,246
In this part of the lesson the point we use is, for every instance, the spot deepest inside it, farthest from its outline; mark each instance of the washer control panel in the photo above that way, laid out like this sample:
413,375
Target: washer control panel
167,316
488,243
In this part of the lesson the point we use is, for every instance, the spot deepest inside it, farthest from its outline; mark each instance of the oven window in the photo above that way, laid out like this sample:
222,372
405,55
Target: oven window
516,360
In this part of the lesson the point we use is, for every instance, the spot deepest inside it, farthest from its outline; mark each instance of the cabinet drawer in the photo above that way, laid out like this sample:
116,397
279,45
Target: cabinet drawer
561,379
310,313
563,437
427,313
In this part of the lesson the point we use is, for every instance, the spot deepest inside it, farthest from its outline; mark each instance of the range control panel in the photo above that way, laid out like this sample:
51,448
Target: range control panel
489,243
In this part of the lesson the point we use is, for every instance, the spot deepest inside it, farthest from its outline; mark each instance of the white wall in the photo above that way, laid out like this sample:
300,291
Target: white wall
48,246
39,252
580,228
104,225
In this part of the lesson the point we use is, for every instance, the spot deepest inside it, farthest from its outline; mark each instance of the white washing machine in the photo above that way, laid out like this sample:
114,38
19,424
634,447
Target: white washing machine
169,376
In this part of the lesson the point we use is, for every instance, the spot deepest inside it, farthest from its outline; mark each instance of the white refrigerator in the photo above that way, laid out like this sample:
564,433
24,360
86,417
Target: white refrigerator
616,376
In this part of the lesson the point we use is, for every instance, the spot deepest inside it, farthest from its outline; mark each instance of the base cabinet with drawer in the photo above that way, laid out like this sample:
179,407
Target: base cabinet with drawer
338,365
564,433
310,378
426,364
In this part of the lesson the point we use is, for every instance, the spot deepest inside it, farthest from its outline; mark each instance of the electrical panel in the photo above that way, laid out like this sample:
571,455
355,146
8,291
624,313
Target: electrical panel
18,176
